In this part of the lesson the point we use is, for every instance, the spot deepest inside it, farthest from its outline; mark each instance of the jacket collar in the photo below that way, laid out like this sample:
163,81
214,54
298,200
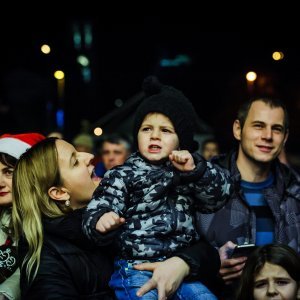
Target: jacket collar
284,177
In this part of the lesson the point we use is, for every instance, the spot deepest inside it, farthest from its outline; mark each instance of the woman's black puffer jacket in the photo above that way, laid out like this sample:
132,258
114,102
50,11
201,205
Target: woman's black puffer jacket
71,267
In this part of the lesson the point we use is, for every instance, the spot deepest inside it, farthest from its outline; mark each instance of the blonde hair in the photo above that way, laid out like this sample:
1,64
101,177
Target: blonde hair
36,171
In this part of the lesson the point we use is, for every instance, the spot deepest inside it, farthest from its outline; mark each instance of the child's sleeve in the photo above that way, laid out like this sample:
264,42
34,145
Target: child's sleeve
209,184
110,195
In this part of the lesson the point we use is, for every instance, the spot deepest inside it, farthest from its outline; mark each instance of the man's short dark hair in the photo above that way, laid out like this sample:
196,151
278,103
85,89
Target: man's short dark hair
272,102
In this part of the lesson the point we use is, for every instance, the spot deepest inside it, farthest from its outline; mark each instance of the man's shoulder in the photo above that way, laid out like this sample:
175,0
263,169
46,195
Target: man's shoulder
289,176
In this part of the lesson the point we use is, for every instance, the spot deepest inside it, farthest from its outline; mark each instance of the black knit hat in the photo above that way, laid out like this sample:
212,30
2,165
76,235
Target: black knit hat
173,104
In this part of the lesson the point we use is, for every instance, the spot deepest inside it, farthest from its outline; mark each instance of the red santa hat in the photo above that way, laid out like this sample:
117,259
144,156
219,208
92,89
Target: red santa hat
16,144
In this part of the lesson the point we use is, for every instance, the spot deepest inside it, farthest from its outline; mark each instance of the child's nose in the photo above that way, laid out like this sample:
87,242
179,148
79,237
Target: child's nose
155,134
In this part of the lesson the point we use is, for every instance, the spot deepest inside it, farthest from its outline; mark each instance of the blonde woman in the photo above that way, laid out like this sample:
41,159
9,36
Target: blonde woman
52,185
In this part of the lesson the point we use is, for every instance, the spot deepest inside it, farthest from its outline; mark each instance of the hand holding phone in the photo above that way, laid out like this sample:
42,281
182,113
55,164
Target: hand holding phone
242,250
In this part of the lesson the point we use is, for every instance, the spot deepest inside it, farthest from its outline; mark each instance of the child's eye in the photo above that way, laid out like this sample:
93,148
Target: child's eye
166,130
260,284
282,282
145,129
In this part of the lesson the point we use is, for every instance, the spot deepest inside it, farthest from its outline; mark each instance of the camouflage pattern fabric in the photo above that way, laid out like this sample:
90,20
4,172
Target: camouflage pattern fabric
158,203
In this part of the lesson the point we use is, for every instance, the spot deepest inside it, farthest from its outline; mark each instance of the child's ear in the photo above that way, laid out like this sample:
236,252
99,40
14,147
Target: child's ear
59,193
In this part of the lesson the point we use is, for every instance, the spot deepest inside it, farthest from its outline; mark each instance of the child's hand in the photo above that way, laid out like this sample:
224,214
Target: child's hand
182,160
109,221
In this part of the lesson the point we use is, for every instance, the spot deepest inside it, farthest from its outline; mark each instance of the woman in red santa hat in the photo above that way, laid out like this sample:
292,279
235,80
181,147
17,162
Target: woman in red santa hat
11,148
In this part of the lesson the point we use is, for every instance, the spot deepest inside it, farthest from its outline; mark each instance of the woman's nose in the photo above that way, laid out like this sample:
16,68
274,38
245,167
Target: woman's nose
2,182
88,157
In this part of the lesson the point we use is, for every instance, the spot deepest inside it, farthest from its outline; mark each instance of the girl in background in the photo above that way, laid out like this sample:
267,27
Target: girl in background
271,272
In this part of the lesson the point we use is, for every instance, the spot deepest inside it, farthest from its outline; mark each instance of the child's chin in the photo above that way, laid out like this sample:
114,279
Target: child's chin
158,161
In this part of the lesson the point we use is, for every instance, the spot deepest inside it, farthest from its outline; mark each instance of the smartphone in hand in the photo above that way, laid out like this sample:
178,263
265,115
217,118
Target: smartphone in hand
242,250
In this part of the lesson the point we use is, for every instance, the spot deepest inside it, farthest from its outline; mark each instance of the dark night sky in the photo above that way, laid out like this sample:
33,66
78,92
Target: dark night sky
123,54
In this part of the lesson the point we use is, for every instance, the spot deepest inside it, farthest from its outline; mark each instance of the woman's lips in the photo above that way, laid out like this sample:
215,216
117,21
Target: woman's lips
2,194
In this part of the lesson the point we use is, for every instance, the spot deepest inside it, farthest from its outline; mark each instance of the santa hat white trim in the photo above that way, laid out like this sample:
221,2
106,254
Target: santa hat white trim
13,147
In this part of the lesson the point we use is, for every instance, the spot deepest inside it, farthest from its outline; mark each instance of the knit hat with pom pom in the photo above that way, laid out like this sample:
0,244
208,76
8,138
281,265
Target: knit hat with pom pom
172,103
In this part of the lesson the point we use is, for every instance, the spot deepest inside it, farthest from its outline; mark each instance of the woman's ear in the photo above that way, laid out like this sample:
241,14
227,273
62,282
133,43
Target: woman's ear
58,193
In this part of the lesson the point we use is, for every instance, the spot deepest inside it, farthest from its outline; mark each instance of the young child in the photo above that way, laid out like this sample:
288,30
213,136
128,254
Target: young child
149,202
